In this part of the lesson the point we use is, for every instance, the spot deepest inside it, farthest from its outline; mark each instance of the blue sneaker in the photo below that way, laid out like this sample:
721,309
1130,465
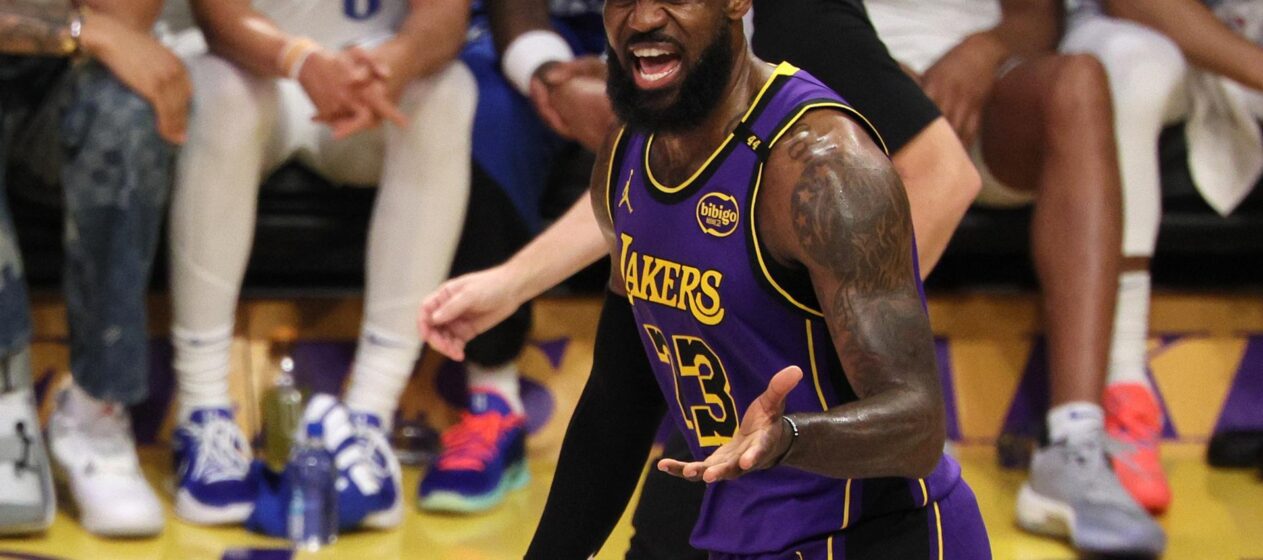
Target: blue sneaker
212,466
484,457
369,477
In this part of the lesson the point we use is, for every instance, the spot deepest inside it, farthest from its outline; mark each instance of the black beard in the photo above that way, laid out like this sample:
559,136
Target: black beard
696,97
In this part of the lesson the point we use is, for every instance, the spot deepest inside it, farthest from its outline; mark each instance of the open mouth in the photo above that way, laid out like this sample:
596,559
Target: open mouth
656,64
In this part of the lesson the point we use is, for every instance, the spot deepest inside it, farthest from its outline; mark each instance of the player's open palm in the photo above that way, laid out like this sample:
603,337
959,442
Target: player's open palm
759,442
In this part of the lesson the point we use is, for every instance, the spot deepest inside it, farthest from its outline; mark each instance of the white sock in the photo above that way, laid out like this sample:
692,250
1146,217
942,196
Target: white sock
1074,419
502,380
383,364
1128,346
201,368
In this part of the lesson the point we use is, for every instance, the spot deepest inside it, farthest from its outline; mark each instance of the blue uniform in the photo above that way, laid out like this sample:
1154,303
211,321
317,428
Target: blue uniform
718,319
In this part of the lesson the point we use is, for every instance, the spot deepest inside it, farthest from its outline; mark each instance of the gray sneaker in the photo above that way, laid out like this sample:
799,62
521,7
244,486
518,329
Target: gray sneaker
1072,492
26,484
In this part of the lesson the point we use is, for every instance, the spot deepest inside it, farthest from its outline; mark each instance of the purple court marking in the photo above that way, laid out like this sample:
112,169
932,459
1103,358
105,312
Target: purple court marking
1245,398
258,554
1030,401
538,402
942,350
322,366
554,349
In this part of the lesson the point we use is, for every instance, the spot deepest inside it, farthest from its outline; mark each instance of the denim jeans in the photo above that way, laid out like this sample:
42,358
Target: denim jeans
78,127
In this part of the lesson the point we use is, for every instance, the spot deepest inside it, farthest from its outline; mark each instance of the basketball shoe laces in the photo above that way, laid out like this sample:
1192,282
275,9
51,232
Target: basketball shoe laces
471,443
219,455
1132,428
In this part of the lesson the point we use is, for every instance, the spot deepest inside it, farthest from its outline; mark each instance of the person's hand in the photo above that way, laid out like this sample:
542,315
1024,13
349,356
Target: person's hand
583,105
331,80
552,75
961,82
758,444
141,63
465,307
378,97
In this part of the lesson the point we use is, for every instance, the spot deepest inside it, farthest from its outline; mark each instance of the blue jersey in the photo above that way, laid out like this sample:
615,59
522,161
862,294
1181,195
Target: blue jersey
719,319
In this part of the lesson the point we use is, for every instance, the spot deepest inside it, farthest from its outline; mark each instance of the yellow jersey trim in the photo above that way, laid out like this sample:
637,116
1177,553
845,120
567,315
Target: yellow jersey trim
758,251
833,105
938,526
609,174
925,493
829,545
784,69
815,374
846,505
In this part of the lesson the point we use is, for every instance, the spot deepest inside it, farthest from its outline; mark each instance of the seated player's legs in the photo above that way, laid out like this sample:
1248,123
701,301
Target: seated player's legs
513,153
1147,76
423,192
1049,130
26,490
211,228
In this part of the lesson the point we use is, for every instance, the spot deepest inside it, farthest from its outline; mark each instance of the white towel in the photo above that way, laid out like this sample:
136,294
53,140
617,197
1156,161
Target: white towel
1225,147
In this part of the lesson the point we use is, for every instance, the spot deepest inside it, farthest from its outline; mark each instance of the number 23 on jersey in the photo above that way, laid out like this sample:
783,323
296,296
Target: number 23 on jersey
692,360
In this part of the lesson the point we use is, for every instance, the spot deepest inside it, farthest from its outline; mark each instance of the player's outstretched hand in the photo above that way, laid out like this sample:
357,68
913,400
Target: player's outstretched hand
465,307
758,443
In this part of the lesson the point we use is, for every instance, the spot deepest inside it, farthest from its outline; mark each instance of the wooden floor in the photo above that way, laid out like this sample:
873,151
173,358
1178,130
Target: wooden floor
1216,515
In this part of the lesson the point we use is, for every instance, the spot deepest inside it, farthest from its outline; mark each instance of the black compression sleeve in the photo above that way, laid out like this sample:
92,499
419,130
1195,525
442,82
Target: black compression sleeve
606,443
835,42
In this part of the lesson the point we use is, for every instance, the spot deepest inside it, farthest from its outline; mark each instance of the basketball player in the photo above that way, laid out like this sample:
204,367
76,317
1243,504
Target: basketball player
1041,129
363,93
723,201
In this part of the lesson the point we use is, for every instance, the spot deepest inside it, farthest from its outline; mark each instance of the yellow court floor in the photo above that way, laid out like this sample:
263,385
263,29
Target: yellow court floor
1216,515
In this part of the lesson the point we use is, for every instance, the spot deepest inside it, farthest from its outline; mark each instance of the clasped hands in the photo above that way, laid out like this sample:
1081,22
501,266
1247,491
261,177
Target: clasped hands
353,90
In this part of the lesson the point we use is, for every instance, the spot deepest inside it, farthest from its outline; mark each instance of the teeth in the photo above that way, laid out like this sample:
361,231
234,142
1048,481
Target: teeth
644,52
657,76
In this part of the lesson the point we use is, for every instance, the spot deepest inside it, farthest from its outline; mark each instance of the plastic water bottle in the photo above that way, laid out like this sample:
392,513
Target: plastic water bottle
313,506
282,409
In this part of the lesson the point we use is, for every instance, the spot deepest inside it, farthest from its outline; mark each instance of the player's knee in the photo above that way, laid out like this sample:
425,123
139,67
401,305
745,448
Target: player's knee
1078,107
1144,69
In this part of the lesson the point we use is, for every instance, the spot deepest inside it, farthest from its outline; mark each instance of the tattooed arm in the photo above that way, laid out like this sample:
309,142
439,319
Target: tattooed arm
835,207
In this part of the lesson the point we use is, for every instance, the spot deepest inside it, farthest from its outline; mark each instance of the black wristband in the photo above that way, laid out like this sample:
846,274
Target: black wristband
793,437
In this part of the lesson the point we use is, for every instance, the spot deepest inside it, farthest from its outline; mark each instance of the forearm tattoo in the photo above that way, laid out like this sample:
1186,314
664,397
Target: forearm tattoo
35,27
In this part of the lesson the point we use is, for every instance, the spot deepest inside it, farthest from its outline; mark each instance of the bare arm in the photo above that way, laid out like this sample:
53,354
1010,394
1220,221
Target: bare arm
836,207
428,40
467,306
42,27
962,80
511,18
1205,40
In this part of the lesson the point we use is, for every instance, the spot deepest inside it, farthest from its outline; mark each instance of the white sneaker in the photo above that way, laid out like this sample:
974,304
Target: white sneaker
95,455
26,485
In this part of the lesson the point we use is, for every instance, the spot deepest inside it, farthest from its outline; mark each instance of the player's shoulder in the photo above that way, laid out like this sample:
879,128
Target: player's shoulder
825,136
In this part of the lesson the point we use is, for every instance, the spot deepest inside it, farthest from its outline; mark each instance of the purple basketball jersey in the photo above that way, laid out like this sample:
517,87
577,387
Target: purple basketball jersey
718,320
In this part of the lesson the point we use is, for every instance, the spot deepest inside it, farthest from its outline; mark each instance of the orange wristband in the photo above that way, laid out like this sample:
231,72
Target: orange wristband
294,54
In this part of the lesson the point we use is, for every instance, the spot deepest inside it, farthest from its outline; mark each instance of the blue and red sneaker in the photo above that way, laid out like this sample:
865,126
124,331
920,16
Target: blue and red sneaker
484,457
212,465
